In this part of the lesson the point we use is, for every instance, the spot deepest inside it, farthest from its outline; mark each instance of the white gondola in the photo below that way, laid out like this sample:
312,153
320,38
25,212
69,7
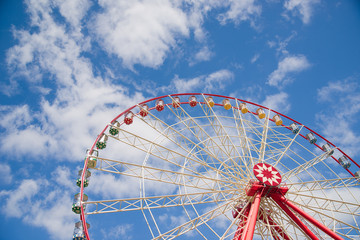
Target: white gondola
344,162
357,175
294,128
311,137
326,147
76,207
79,233
86,180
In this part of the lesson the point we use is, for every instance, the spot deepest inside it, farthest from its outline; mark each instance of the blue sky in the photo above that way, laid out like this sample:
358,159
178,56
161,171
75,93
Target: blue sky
69,66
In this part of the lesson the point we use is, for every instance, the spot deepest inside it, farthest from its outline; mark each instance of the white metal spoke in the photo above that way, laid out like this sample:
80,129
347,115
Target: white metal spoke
322,185
166,201
195,222
182,141
326,204
305,166
160,174
199,133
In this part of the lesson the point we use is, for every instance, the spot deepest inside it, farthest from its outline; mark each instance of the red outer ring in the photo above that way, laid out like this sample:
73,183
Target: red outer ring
82,215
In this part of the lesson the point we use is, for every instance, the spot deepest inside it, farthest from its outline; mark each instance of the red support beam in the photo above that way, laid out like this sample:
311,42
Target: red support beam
243,221
310,219
251,222
294,217
274,225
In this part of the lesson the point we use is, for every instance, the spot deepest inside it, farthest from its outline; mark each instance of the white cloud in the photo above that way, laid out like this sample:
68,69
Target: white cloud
73,10
205,83
339,122
5,174
290,64
81,104
18,200
240,11
140,32
255,58
278,102
302,8
203,55
43,203
118,232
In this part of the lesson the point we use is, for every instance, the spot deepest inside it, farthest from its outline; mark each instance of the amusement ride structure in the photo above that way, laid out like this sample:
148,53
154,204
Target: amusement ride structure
205,166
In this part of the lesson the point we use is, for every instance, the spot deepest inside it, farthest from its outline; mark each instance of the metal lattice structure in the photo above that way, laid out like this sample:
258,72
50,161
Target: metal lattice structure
193,157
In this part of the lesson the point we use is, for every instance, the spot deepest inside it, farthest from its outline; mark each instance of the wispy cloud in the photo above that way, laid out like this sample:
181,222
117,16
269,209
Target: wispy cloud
287,66
255,58
337,122
240,11
279,102
140,32
215,81
204,54
5,174
81,100
302,8
41,203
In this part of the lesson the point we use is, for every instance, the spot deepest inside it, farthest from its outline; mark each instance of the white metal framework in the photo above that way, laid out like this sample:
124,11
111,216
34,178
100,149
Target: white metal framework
187,168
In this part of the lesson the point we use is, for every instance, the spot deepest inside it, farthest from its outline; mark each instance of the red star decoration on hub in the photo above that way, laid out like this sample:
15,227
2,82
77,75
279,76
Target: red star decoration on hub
267,174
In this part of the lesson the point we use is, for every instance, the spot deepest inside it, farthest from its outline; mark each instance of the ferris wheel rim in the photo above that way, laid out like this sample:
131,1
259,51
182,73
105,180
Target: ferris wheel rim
82,215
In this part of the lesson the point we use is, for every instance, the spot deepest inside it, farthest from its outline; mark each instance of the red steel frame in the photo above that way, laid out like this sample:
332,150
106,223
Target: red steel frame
82,215
259,190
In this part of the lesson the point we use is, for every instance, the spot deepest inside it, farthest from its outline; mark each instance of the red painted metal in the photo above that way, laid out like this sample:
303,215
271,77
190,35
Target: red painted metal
251,222
294,218
242,223
310,219
275,226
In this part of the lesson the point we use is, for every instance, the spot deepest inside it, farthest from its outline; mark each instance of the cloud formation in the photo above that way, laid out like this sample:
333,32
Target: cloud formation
140,32
42,203
205,83
337,123
302,8
287,66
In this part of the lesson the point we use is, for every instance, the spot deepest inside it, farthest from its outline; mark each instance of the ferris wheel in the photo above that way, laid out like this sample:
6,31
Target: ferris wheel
205,166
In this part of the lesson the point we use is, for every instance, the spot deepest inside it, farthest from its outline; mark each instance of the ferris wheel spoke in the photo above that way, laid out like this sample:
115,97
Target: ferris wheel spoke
196,222
169,155
229,147
244,140
264,136
155,202
183,142
202,136
198,181
175,136
322,185
339,225
288,146
303,167
327,204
